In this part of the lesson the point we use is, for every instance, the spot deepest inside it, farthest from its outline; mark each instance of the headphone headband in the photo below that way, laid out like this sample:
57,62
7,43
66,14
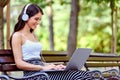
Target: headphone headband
26,8
25,16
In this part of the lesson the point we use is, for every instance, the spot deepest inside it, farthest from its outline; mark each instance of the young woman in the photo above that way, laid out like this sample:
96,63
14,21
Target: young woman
26,48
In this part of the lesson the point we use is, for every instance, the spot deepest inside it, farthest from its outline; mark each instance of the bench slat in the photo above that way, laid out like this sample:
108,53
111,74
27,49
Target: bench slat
5,52
104,59
56,59
9,67
53,52
6,60
103,64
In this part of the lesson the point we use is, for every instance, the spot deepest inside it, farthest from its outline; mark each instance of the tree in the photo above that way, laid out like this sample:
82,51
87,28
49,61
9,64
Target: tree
51,31
113,21
72,36
2,5
114,38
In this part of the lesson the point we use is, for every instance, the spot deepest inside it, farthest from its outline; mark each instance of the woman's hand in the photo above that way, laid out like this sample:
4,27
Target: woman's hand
54,67
60,67
49,67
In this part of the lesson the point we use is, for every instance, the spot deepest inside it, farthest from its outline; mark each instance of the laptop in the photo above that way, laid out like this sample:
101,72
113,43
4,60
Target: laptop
77,60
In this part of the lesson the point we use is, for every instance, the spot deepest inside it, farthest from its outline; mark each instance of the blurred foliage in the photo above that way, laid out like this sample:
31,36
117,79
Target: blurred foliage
94,30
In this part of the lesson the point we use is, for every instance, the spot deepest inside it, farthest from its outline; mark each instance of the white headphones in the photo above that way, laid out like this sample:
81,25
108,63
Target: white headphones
25,16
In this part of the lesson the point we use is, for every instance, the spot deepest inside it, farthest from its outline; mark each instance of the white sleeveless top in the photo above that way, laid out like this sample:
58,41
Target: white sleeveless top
31,50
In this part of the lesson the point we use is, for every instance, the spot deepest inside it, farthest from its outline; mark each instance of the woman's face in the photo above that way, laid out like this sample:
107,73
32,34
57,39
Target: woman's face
34,21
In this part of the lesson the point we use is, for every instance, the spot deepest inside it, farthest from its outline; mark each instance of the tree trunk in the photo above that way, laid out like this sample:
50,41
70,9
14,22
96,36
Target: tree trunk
113,40
51,33
8,25
72,36
1,28
2,5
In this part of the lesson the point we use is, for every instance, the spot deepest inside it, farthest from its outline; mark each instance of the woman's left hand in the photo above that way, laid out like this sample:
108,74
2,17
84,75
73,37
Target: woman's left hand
60,67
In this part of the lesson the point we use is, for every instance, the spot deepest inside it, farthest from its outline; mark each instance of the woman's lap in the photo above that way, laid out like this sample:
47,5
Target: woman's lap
61,75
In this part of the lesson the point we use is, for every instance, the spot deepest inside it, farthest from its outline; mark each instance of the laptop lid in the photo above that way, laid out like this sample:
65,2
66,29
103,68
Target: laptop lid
78,59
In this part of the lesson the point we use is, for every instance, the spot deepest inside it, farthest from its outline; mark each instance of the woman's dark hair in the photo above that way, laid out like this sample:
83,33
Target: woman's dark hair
31,10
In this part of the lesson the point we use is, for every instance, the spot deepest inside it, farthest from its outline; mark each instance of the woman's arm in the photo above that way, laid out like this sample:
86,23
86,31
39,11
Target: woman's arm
17,51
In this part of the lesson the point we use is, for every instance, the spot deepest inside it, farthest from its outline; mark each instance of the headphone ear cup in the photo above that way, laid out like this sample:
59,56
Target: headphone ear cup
25,17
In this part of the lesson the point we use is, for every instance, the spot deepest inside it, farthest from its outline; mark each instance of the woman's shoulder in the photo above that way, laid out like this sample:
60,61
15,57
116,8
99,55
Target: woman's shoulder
17,35
16,38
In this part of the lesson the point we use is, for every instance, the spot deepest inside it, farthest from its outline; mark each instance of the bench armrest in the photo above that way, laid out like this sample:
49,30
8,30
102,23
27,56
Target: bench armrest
4,77
41,76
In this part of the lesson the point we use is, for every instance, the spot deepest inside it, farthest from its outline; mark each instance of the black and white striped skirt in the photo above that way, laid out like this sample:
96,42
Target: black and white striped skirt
60,75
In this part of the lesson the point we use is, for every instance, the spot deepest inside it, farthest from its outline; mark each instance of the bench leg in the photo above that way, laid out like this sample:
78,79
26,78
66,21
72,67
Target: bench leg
85,65
40,76
4,77
119,69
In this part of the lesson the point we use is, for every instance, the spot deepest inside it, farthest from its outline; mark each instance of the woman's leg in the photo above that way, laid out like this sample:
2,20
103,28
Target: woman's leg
69,75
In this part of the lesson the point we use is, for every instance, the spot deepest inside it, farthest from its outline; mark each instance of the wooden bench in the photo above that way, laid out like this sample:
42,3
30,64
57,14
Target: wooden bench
7,64
95,60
